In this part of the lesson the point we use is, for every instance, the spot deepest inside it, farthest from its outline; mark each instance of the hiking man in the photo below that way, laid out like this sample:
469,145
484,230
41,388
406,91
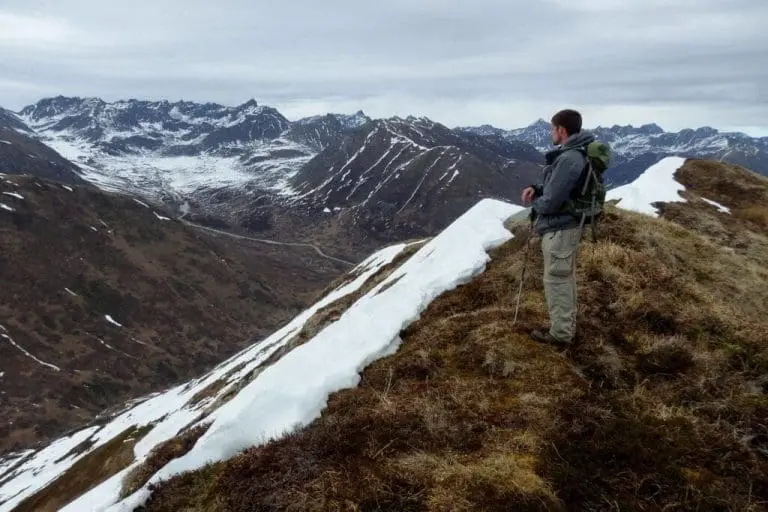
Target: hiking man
559,228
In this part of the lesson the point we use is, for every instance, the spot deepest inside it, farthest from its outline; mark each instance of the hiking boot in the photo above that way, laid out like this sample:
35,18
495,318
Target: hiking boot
543,336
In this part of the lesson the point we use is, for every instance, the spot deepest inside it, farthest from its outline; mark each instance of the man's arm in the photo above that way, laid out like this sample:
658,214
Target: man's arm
565,175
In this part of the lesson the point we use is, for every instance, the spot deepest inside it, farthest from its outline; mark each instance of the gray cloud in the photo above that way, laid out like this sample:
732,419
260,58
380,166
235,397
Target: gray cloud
506,62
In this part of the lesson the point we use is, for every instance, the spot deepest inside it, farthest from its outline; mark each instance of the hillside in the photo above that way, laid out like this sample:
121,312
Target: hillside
104,298
21,153
397,179
438,402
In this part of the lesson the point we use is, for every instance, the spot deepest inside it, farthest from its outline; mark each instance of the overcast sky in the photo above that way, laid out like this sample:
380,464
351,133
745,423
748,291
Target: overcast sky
504,62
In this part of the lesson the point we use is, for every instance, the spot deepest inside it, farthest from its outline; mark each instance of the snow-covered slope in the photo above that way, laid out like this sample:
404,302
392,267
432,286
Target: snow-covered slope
258,398
658,184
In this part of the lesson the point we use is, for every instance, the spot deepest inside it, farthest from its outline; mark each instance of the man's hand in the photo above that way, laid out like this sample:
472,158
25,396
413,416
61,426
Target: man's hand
528,195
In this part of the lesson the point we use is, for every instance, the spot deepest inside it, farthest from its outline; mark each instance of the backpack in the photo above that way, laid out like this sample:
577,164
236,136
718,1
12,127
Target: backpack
588,198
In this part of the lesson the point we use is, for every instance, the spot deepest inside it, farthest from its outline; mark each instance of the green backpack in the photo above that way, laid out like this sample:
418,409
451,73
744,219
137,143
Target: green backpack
588,199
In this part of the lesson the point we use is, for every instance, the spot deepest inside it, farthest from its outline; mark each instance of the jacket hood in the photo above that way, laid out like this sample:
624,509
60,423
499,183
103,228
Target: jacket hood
576,140
580,139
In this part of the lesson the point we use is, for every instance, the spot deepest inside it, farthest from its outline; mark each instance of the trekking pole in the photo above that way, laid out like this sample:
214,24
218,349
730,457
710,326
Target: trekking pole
522,274
590,177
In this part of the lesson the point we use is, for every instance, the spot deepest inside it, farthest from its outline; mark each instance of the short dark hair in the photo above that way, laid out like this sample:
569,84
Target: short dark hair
568,119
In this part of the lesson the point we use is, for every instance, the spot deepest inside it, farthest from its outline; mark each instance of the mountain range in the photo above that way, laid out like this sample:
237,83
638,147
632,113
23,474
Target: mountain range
248,168
636,148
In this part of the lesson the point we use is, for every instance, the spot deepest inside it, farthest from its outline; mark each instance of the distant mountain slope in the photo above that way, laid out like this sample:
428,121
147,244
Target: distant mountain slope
636,148
411,177
321,132
170,151
104,298
21,153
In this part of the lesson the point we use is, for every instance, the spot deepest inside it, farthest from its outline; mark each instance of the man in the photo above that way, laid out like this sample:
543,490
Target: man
560,229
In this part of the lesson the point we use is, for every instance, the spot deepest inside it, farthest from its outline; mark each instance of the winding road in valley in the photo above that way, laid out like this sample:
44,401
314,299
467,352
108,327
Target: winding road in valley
269,242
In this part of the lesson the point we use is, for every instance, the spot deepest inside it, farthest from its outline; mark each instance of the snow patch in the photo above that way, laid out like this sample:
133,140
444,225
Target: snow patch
5,142
40,468
717,205
656,185
142,203
160,216
65,187
6,207
94,229
326,210
14,194
112,320
70,292
24,351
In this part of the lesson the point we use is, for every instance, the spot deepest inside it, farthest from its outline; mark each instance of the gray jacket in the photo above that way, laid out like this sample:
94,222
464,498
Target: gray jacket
565,167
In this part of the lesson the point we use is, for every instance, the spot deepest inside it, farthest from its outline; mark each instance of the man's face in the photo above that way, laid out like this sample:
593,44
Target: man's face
558,134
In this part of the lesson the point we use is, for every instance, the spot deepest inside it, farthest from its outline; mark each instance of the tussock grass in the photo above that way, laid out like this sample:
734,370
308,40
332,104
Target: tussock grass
661,405
160,456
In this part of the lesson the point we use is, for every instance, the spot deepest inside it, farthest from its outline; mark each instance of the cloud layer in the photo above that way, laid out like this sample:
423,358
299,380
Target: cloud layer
504,62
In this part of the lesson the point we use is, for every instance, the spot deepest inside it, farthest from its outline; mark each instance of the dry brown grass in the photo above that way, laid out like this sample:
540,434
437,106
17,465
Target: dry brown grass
660,406
87,473
160,456
741,190
209,391
758,215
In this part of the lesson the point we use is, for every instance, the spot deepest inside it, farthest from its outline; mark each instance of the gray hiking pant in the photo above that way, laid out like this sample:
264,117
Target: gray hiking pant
560,249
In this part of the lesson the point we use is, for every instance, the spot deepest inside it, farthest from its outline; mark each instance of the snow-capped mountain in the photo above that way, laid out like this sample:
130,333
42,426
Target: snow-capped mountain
412,176
249,167
321,132
332,176
635,148
165,150
171,128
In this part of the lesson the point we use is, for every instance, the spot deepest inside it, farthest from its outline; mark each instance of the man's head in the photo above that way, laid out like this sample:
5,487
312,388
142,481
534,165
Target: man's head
564,124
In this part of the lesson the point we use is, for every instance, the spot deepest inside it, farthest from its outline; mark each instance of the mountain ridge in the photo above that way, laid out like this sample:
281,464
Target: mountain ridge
637,147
